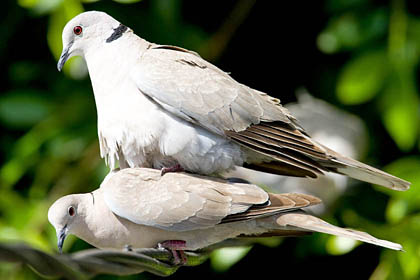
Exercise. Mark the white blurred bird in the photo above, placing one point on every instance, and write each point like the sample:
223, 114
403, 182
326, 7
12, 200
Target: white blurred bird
164, 106
343, 132
138, 207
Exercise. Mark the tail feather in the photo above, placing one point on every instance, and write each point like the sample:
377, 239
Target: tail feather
289, 151
364, 172
306, 222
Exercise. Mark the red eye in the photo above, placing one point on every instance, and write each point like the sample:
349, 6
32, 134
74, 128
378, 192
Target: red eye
77, 30
71, 211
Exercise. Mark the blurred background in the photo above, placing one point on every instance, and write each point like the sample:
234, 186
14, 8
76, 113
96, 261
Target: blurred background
348, 68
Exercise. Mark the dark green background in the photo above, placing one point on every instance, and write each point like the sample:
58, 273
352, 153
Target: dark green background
359, 55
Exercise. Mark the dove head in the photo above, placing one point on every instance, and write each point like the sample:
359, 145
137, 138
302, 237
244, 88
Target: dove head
86, 31
67, 216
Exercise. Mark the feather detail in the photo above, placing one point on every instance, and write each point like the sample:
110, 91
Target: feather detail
304, 221
277, 203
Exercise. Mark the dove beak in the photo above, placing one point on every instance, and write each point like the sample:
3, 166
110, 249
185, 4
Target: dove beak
61, 236
64, 56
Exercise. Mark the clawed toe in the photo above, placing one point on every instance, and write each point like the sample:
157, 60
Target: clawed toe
177, 248
176, 168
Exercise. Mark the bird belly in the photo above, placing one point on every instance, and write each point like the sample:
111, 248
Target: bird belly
136, 132
164, 141
203, 152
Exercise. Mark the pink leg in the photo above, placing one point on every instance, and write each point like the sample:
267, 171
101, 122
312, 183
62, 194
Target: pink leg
177, 248
176, 168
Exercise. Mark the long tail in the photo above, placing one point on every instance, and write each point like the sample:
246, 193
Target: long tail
364, 172
289, 151
299, 220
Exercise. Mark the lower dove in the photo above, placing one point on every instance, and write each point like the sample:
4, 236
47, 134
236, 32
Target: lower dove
138, 207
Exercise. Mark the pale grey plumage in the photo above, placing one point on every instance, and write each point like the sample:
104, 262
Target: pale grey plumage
177, 201
199, 92
138, 207
162, 105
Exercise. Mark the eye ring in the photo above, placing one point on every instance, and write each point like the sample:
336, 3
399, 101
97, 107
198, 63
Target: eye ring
71, 211
77, 30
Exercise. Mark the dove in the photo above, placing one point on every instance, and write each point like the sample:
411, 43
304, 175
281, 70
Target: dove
138, 208
162, 106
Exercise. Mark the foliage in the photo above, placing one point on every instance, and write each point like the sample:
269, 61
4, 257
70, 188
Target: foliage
360, 55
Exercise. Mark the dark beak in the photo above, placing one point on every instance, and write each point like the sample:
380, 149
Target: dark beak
64, 56
61, 236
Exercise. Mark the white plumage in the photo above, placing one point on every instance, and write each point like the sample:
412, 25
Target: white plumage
159, 106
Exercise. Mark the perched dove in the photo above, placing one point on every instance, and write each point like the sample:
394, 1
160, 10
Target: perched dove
138, 207
163, 106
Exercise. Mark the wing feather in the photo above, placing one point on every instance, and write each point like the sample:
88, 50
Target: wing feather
176, 201
197, 91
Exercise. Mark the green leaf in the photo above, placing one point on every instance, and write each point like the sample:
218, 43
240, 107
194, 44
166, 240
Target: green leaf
340, 245
400, 109
408, 169
23, 108
402, 203
397, 209
222, 259
410, 259
362, 78
40, 7
402, 124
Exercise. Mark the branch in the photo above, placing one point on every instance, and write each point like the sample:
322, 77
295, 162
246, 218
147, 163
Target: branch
88, 263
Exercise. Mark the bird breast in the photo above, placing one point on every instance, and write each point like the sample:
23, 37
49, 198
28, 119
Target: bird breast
138, 132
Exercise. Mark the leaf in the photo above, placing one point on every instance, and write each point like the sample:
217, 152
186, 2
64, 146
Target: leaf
396, 210
402, 203
410, 260
406, 168
222, 259
23, 108
400, 109
402, 123
40, 7
340, 245
362, 78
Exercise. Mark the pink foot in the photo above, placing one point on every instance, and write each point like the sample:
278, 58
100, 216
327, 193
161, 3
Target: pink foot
177, 248
176, 168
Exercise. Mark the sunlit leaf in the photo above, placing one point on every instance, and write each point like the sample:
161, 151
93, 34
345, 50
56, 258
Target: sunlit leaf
406, 168
327, 42
40, 6
346, 29
222, 259
409, 260
342, 32
397, 209
401, 123
362, 78
403, 203
400, 109
340, 245
269, 241
28, 3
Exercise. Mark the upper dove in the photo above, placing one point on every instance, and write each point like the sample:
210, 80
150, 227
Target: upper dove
164, 106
